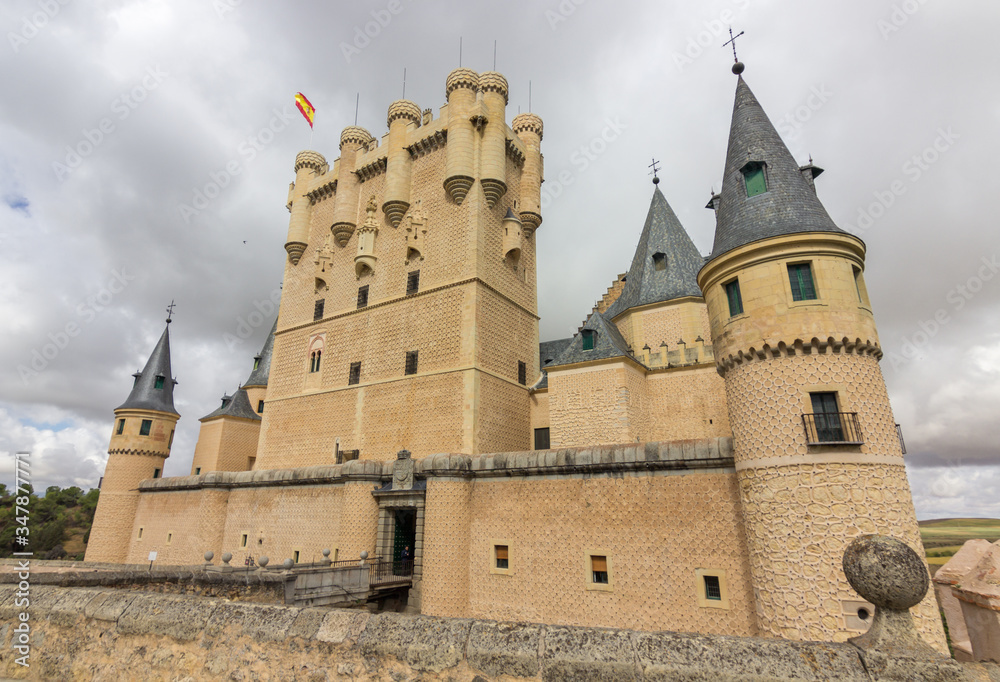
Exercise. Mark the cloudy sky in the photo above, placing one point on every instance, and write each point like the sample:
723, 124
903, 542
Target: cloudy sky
146, 149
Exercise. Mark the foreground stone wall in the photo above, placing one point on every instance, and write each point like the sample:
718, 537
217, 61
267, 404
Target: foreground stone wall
89, 633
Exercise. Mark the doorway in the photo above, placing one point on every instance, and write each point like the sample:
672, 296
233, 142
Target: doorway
404, 539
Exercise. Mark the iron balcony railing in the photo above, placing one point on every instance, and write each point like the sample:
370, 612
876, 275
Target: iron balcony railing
833, 428
388, 572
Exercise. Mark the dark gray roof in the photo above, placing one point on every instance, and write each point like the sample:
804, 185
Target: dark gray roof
609, 344
145, 395
662, 234
236, 405
789, 205
258, 376
548, 352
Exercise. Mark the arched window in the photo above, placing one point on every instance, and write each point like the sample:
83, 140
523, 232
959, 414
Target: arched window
315, 353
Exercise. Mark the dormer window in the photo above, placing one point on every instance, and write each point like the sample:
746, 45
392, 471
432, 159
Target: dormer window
135, 379
589, 338
660, 261
158, 385
755, 176
225, 400
256, 362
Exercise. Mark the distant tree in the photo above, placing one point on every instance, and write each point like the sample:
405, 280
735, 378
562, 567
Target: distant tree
3, 491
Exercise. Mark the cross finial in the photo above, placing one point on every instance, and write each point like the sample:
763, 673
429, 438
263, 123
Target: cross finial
654, 166
737, 64
170, 310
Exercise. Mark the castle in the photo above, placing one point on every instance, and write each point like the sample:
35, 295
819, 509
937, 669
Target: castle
695, 458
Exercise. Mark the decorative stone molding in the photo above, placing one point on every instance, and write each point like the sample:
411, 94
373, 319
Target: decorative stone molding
514, 153
373, 169
311, 159
323, 192
493, 190
403, 108
527, 122
458, 187
799, 347
461, 78
426, 145
144, 453
355, 134
492, 81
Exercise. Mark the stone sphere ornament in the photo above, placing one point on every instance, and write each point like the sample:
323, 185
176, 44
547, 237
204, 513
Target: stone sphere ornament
364, 555
209, 556
738, 68
263, 561
886, 572
288, 563
326, 554
227, 557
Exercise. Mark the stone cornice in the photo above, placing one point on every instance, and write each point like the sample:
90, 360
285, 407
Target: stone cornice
321, 192
372, 169
428, 144
799, 347
131, 451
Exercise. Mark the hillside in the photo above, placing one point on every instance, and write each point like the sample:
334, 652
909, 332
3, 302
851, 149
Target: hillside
58, 523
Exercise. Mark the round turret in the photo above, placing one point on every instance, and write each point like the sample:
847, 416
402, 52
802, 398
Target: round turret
459, 177
405, 109
461, 78
527, 123
356, 135
310, 159
492, 81
528, 127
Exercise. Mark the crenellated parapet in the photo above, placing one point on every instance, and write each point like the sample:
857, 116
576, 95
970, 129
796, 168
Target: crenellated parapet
353, 140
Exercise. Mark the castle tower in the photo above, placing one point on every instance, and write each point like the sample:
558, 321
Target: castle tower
140, 444
818, 456
529, 128
307, 165
414, 327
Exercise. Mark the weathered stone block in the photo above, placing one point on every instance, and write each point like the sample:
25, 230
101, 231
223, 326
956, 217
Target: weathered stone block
182, 618
579, 654
504, 648
257, 621
426, 644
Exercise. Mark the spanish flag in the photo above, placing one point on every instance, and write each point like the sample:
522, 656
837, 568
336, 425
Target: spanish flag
306, 107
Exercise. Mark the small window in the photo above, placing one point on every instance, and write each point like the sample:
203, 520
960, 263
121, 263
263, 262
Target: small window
801, 279
158, 384
256, 362
660, 261
314, 361
144, 428
734, 298
713, 589
829, 424
599, 569
318, 309
413, 282
295, 556
589, 338
411, 362
859, 284
542, 439
500, 556
135, 379
522, 373
121, 427
139, 536
156, 473
243, 540
756, 178
197, 471
260, 407
170, 441
354, 376
363, 296
170, 538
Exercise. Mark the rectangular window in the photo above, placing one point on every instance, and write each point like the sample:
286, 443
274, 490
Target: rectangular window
139, 537
413, 282
170, 538
170, 441
197, 472
500, 552
858, 283
660, 261
158, 384
522, 373
243, 540
542, 439
589, 336
599, 569
826, 415
260, 407
156, 473
121, 427
318, 309
713, 589
144, 428
295, 556
801, 279
363, 296
411, 362
755, 178
734, 298
354, 376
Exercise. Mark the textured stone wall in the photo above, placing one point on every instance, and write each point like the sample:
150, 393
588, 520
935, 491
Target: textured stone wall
226, 444
192, 520
687, 403
668, 323
447, 538
598, 405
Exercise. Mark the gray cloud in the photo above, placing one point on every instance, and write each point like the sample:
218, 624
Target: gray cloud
892, 85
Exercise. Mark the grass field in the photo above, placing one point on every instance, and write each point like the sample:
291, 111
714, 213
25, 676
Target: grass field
942, 536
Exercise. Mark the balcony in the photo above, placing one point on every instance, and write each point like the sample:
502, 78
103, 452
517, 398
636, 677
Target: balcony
833, 428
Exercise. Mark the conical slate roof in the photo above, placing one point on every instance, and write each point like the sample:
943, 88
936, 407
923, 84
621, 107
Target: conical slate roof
145, 395
662, 236
237, 405
789, 205
258, 376
608, 344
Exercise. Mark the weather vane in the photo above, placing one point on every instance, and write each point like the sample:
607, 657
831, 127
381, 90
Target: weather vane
656, 179
170, 310
737, 64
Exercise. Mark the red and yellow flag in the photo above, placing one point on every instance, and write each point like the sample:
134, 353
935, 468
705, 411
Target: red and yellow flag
306, 107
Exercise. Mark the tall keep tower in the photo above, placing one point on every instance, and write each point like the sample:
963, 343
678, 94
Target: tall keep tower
140, 444
409, 309
818, 456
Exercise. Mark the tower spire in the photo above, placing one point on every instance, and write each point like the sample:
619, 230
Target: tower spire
154, 385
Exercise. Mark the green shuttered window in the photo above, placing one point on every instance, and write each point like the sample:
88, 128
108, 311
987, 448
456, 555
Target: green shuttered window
734, 298
801, 279
755, 178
